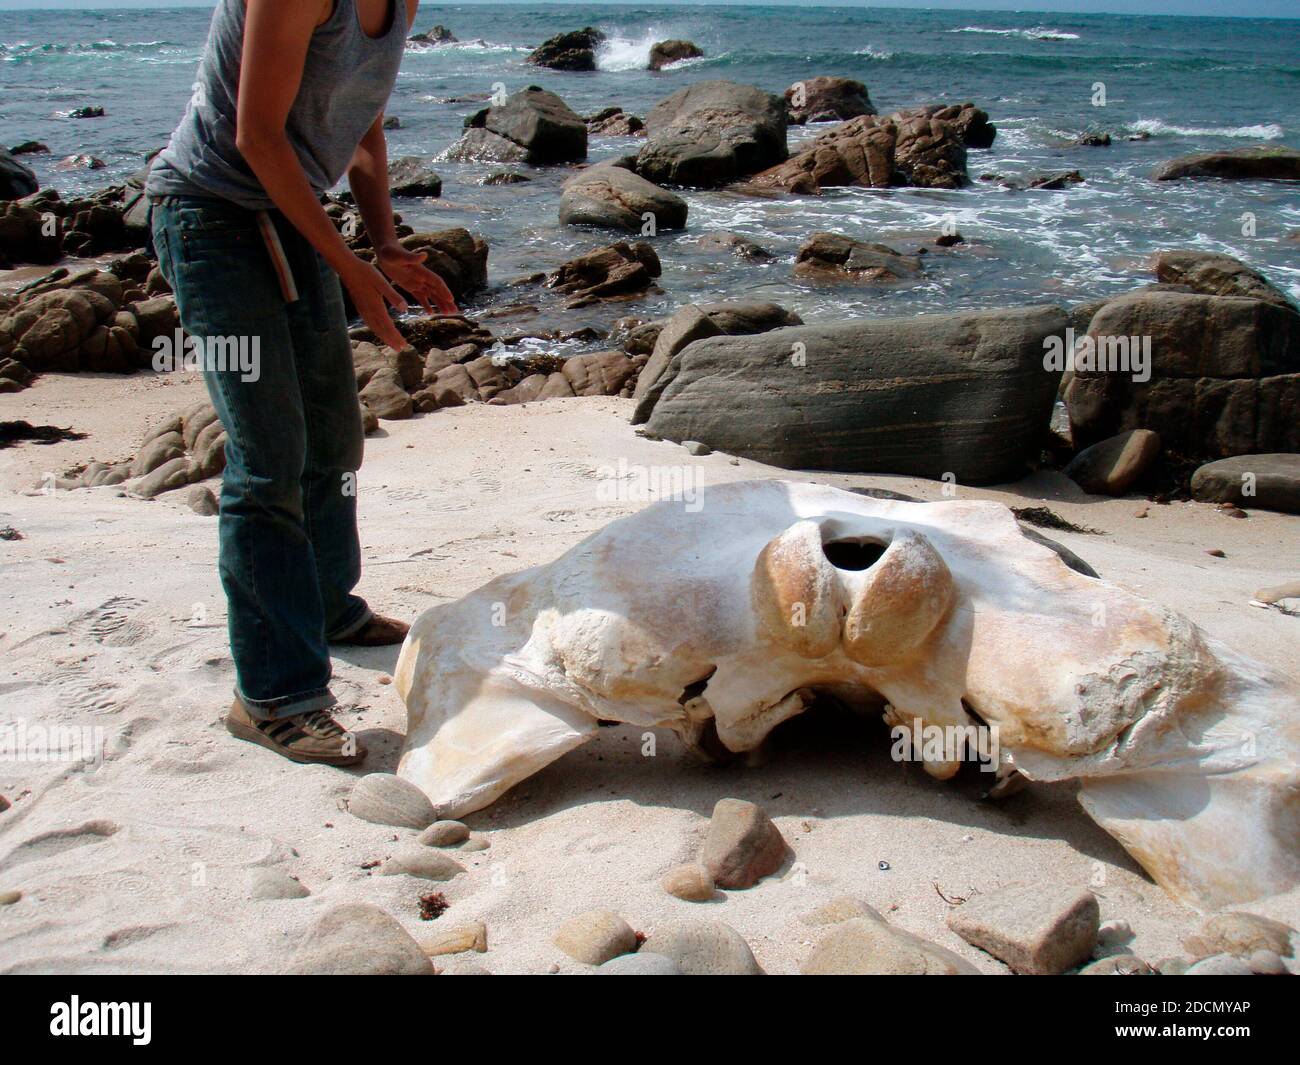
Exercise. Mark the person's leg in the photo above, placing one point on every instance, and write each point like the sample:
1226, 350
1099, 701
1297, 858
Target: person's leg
228, 294
335, 442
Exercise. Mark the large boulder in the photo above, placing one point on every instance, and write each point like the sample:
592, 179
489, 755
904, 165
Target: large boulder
827, 99
575, 50
964, 395
618, 271
536, 121
16, 179
1270, 482
1247, 164
1213, 274
663, 53
924, 146
413, 176
712, 133
1213, 375
28, 235
615, 198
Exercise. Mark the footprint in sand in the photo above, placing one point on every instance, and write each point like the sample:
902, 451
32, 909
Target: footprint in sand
49, 844
111, 623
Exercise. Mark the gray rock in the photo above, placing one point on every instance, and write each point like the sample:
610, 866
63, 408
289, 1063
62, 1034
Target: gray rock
16, 179
361, 940
711, 133
595, 937
685, 327
1220, 965
869, 946
271, 883
1269, 482
201, 500
663, 53
1112, 466
386, 799
540, 123
1038, 929
703, 948
694, 447
1249, 164
385, 396
614, 198
413, 176
642, 963
742, 845
959, 394
575, 50
483, 146
444, 834
1212, 274
424, 863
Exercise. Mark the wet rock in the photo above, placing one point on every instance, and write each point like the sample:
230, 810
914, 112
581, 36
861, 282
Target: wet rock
1037, 929
827, 99
387, 799
537, 121
425, 863
444, 834
737, 244
830, 256
690, 882
614, 122
870, 946
595, 937
1267, 482
1212, 274
575, 50
1112, 466
439, 34
1243, 164
664, 53
479, 145
618, 271
711, 133
1055, 182
413, 176
614, 198
703, 948
361, 940
16, 179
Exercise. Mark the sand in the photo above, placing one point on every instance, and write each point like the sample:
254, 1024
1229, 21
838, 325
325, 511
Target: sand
113, 620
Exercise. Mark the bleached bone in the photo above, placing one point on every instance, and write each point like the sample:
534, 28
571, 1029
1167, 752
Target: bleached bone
722, 619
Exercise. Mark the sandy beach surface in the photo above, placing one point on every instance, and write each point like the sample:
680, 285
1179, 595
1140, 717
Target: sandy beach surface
113, 619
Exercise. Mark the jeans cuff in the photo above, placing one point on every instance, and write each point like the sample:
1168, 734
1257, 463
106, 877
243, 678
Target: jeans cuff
352, 627
288, 705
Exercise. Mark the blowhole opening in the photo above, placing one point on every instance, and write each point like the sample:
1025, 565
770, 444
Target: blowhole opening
853, 554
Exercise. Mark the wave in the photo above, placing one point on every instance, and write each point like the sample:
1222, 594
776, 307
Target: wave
26, 49
874, 53
617, 52
1155, 127
476, 45
1034, 33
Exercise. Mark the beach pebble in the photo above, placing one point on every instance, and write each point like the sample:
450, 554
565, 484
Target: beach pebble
361, 940
742, 846
457, 940
1266, 963
386, 799
843, 908
413, 859
595, 937
703, 948
267, 883
1118, 965
8, 898
1114, 934
642, 963
202, 501
691, 882
444, 834
1038, 929
475, 843
1220, 965
694, 447
870, 946
1239, 934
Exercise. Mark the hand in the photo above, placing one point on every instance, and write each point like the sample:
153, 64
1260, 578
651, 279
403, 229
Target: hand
407, 269
372, 296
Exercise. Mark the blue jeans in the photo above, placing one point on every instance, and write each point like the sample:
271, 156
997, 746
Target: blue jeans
289, 552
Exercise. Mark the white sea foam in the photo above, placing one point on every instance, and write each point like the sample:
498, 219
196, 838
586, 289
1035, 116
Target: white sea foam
874, 53
1034, 33
1263, 132
616, 52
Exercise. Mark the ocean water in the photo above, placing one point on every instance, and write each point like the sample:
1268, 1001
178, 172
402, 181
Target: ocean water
1192, 84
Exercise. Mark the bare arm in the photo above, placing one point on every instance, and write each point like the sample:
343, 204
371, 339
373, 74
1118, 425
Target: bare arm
277, 34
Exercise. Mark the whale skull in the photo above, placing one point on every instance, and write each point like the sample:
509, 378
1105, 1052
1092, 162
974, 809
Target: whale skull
721, 620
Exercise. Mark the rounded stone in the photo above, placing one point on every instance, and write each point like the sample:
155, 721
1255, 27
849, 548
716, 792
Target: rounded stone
642, 963
595, 937
703, 948
386, 799
444, 834
691, 882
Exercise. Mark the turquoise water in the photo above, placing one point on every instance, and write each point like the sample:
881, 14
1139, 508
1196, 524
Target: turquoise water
1192, 84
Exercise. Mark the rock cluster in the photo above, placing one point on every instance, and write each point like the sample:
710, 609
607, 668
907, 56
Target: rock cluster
575, 50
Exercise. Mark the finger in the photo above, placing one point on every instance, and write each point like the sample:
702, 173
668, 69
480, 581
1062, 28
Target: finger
389, 293
375, 315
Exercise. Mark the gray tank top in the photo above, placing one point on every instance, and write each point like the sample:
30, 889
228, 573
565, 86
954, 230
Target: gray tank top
346, 81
